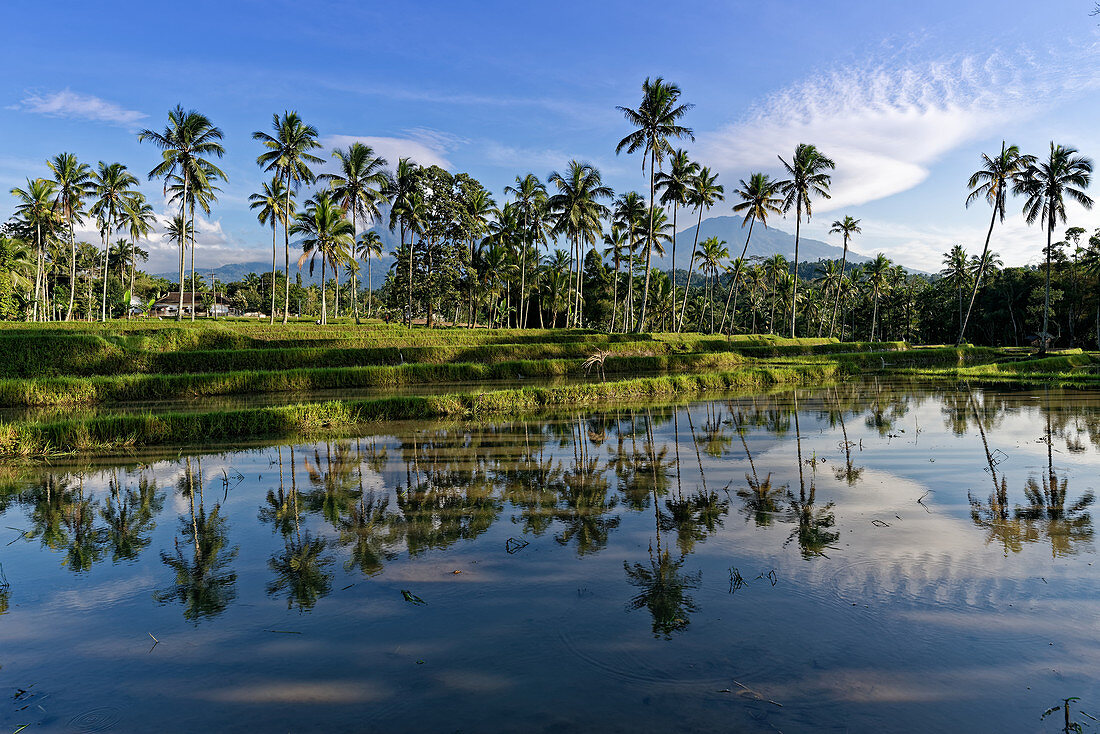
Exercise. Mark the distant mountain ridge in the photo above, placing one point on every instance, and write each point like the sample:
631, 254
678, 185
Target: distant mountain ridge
765, 242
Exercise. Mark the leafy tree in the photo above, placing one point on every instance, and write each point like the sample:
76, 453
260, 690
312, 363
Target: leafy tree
326, 232
73, 181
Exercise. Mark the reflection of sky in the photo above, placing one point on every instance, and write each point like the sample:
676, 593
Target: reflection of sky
909, 617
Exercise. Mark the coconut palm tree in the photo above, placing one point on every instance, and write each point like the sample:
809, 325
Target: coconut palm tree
808, 178
1047, 185
271, 205
202, 193
36, 207
577, 213
531, 200
139, 219
618, 243
326, 232
656, 121
479, 208
674, 187
877, 280
367, 246
287, 155
758, 198
992, 182
358, 188
846, 227
629, 216
113, 188
704, 191
956, 271
712, 252
405, 207
187, 141
73, 180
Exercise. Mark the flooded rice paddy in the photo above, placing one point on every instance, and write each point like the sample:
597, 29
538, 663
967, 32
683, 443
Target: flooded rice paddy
871, 557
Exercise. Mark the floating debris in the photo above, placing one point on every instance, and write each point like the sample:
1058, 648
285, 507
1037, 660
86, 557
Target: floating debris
513, 545
411, 597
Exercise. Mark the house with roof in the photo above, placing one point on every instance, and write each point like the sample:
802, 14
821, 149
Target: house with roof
168, 306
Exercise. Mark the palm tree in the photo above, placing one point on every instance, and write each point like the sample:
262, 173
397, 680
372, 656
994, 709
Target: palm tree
704, 191
36, 207
272, 204
531, 199
758, 200
675, 187
403, 195
618, 242
808, 177
1046, 186
991, 182
957, 272
479, 207
73, 180
712, 252
187, 138
326, 232
657, 120
629, 216
358, 189
847, 227
877, 273
288, 156
367, 246
577, 213
202, 193
138, 218
113, 188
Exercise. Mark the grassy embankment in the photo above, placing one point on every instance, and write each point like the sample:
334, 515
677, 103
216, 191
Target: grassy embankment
114, 364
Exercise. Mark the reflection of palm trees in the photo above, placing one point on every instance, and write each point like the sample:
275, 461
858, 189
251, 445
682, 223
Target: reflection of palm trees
584, 503
814, 532
1047, 515
694, 517
300, 572
663, 590
130, 515
86, 543
761, 501
1001, 525
366, 530
203, 584
849, 472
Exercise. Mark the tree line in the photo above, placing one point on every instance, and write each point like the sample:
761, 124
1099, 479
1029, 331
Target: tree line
566, 251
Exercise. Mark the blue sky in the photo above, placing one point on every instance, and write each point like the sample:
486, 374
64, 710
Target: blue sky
904, 96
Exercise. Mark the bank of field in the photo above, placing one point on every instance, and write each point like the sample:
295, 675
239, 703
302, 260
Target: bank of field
118, 366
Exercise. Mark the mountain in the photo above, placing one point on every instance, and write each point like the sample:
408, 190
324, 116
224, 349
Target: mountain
765, 243
231, 272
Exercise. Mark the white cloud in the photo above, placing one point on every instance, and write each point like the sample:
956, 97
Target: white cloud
425, 147
885, 124
67, 103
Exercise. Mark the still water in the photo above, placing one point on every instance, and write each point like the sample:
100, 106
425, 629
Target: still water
869, 557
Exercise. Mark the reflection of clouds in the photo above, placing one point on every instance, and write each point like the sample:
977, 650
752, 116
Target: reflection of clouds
101, 595
298, 692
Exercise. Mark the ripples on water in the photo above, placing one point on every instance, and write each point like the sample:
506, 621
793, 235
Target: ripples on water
861, 558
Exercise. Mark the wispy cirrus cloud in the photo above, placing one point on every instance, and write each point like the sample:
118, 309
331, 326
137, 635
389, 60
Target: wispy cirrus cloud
886, 123
424, 146
70, 104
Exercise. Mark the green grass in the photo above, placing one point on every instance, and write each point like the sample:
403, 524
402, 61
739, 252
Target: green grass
121, 432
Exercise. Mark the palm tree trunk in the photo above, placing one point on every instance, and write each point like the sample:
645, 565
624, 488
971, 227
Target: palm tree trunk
72, 270
370, 281
324, 300
836, 303
106, 259
628, 306
615, 295
410, 304
271, 315
794, 288
737, 271
649, 242
672, 267
133, 267
286, 253
193, 309
874, 316
977, 279
1046, 292
473, 285
691, 267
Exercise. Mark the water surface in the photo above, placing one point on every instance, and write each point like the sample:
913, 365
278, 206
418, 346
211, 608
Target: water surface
871, 557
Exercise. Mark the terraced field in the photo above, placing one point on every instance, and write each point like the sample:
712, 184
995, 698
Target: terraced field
92, 387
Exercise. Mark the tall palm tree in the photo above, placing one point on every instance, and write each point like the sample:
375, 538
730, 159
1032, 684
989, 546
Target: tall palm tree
403, 195
1046, 186
368, 246
271, 205
656, 121
202, 194
758, 199
531, 199
877, 279
479, 208
846, 227
287, 155
187, 141
713, 252
358, 188
675, 187
36, 208
618, 242
113, 188
326, 232
138, 218
956, 271
704, 191
629, 216
578, 213
73, 180
808, 177
991, 182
